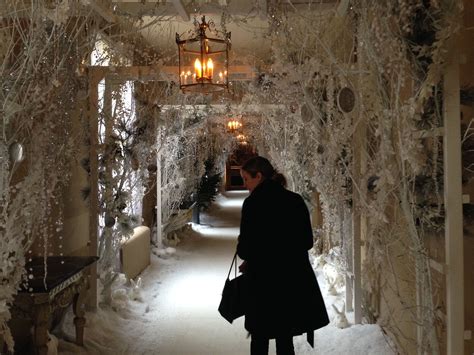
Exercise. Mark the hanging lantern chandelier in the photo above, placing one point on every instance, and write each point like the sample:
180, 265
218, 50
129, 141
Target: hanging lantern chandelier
203, 60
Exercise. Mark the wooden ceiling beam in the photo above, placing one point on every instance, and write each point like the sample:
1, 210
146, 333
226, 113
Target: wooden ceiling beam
103, 10
342, 8
183, 13
262, 9
165, 73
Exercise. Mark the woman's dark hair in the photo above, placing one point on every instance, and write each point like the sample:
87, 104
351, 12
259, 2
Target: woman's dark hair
261, 165
280, 178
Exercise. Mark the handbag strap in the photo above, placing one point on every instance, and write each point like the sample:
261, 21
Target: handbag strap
234, 261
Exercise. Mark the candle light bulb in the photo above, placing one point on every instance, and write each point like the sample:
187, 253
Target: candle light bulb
198, 68
210, 68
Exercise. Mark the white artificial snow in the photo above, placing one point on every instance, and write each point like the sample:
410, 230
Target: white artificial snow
119, 299
177, 309
170, 251
163, 252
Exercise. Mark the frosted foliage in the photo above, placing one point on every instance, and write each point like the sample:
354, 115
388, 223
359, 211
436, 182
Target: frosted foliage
371, 159
40, 83
122, 174
43, 51
188, 140
173, 181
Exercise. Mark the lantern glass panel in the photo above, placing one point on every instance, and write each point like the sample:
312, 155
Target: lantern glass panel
202, 63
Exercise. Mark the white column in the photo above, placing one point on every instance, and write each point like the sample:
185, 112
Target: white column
357, 196
356, 263
94, 80
453, 207
349, 279
159, 234
358, 143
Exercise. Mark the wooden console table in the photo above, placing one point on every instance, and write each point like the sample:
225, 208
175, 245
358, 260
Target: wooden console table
66, 282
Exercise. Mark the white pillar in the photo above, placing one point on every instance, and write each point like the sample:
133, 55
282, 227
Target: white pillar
159, 232
350, 272
453, 207
356, 266
358, 148
359, 166
94, 79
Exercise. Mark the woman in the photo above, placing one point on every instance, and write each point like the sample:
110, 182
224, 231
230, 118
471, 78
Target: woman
275, 236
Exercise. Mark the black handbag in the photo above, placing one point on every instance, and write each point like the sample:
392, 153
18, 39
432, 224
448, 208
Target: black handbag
233, 300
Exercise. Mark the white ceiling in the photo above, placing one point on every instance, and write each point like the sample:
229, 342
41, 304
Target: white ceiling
249, 22
247, 38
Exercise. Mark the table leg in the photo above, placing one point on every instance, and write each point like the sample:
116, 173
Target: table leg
79, 319
41, 318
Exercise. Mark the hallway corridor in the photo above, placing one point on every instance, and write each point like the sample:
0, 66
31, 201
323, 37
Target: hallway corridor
188, 320
176, 310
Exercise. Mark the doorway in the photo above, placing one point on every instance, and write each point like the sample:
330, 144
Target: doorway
233, 180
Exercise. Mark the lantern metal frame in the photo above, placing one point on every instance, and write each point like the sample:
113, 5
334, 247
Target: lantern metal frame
204, 84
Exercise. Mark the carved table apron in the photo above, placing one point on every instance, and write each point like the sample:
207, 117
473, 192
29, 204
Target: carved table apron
66, 282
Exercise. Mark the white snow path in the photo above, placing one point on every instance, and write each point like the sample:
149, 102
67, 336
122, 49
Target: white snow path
178, 314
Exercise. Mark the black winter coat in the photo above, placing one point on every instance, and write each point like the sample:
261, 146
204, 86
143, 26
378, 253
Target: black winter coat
275, 236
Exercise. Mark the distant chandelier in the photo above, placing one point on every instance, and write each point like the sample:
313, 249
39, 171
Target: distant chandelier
233, 125
241, 139
204, 61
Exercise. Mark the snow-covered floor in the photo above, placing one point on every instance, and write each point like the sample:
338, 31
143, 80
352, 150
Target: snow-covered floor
175, 311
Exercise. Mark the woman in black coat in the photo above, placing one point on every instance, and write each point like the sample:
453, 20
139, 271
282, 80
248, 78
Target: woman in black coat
275, 235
